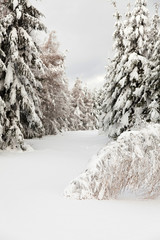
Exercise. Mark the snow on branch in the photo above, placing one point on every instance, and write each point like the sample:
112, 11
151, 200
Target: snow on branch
7, 20
33, 22
13, 37
2, 66
129, 165
24, 70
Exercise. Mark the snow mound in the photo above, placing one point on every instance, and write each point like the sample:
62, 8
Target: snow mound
129, 165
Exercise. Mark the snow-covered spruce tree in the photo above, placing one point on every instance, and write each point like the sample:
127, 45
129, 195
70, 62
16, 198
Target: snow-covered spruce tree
19, 86
90, 120
96, 108
78, 107
3, 122
83, 115
152, 113
99, 103
128, 98
55, 94
3, 118
108, 95
153, 32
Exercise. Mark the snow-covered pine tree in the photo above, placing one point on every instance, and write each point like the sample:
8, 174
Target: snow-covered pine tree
3, 123
19, 86
55, 94
83, 116
108, 94
78, 107
153, 32
96, 108
152, 113
128, 100
3, 118
90, 120
98, 96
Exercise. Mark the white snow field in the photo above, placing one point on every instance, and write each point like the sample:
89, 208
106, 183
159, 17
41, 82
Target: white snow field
32, 206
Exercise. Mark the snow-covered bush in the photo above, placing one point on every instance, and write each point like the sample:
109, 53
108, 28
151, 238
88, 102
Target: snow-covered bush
130, 164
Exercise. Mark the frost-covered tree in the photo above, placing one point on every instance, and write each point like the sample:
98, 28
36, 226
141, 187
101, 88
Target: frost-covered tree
55, 94
20, 57
3, 123
83, 115
96, 108
78, 107
152, 80
128, 96
108, 95
153, 32
100, 100
90, 120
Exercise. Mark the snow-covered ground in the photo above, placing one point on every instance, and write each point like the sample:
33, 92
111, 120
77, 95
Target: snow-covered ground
32, 206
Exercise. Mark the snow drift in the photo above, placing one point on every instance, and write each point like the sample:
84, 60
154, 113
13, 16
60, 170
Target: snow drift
129, 165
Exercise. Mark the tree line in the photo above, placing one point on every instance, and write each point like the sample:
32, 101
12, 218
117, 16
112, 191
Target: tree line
35, 99
131, 94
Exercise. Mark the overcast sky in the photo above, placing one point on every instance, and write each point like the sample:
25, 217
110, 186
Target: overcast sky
84, 28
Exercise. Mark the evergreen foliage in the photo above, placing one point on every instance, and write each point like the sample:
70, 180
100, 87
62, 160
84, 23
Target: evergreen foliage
78, 107
152, 79
19, 62
95, 110
128, 84
83, 110
111, 87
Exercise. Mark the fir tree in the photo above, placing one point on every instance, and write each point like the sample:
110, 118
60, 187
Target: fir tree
95, 109
83, 115
128, 98
90, 120
153, 32
152, 113
20, 55
111, 88
78, 107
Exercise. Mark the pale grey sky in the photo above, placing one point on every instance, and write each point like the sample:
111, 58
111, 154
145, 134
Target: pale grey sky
84, 28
